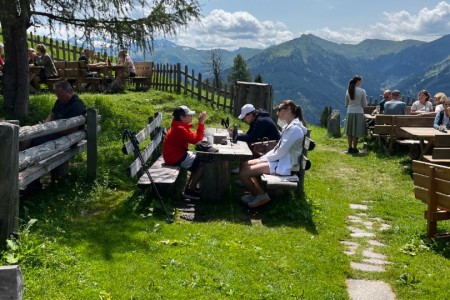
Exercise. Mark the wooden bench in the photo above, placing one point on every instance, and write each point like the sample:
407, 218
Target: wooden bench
441, 151
143, 79
161, 174
61, 69
20, 168
432, 186
387, 129
294, 181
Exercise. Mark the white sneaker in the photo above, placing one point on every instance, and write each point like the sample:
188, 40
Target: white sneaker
247, 198
235, 171
259, 200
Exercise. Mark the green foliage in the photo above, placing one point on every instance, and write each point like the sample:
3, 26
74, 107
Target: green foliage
258, 78
239, 70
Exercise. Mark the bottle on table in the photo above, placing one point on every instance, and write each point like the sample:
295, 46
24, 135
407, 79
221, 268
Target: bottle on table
235, 133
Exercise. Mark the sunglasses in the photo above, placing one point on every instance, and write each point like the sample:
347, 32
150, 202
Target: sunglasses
280, 108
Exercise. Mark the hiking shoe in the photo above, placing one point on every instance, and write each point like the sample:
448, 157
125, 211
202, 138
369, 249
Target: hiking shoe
350, 151
247, 198
191, 194
259, 200
235, 171
355, 151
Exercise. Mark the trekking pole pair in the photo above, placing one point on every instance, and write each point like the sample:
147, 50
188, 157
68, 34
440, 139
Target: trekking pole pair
131, 136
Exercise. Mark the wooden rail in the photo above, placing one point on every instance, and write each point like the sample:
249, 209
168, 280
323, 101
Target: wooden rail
19, 168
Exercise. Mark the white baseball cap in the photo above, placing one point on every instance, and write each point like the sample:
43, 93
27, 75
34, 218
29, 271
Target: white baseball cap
247, 108
185, 110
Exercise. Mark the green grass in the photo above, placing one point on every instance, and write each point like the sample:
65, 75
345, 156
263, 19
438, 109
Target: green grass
106, 240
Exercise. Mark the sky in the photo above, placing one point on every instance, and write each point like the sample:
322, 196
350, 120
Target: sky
230, 24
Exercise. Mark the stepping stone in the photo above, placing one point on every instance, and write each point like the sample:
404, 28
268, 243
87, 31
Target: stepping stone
256, 222
362, 215
356, 232
366, 267
369, 290
375, 243
351, 247
385, 227
375, 261
369, 254
359, 206
355, 219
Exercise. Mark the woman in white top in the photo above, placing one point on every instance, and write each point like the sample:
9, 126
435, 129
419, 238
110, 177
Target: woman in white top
423, 106
355, 101
281, 160
439, 100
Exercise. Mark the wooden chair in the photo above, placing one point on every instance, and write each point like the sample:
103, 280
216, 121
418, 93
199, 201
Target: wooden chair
143, 79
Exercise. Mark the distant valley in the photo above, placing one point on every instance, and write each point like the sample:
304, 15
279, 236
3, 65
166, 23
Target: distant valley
315, 72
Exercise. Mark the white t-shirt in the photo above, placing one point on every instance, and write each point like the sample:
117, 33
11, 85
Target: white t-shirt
417, 106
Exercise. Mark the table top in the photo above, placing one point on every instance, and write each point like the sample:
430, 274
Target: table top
423, 132
104, 67
230, 151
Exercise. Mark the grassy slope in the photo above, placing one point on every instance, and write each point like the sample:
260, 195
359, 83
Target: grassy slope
103, 239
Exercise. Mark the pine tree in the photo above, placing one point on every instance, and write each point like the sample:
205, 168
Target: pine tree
239, 70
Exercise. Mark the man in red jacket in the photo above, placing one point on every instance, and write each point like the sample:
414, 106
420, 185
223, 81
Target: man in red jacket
176, 143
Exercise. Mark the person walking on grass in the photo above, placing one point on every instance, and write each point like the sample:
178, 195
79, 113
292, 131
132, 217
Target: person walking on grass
355, 101
176, 143
281, 160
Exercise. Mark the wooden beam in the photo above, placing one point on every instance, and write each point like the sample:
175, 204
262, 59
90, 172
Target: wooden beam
30, 132
9, 191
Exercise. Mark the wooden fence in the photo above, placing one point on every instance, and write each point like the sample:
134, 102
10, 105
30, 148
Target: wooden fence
61, 50
171, 78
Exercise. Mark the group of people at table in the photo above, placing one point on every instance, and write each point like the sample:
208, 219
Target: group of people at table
47, 70
355, 101
281, 160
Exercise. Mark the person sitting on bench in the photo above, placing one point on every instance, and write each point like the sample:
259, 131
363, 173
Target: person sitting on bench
176, 143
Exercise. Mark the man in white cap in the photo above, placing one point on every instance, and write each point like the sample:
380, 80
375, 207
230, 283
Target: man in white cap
261, 125
176, 143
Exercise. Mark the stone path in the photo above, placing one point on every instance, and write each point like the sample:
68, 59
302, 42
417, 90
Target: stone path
363, 249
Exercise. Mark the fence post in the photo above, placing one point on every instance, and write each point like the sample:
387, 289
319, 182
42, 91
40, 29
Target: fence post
199, 89
178, 78
91, 134
193, 83
9, 185
63, 46
186, 72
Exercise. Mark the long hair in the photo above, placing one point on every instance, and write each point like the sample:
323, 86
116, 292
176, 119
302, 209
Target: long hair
295, 109
426, 93
352, 86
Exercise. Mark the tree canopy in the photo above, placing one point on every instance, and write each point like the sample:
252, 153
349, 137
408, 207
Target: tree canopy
120, 22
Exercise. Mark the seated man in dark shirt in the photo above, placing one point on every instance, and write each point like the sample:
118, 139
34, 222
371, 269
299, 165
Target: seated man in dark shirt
67, 105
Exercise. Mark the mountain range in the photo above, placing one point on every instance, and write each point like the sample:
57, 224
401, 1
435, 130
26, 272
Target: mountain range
315, 72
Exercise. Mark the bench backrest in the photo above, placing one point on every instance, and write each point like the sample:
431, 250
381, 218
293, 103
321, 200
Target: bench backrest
73, 70
144, 68
390, 125
432, 181
61, 68
153, 131
441, 148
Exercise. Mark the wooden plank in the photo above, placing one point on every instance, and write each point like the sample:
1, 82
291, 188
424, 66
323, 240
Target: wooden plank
421, 180
36, 171
442, 140
439, 215
11, 282
383, 129
160, 173
408, 142
441, 153
9, 191
143, 134
91, 136
422, 194
421, 167
442, 173
30, 132
383, 120
38, 153
430, 159
134, 168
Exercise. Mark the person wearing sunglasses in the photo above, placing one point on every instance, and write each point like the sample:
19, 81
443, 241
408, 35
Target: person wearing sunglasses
355, 101
281, 160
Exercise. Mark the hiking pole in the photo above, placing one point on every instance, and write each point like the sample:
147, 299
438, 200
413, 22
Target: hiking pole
131, 135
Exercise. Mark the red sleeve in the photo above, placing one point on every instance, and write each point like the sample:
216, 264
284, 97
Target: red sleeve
194, 138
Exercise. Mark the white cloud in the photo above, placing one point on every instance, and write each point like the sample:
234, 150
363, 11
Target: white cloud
233, 30
426, 25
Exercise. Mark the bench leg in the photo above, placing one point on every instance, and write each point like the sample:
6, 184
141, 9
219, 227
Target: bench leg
60, 171
215, 183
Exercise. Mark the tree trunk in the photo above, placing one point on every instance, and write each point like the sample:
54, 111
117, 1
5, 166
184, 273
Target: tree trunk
15, 73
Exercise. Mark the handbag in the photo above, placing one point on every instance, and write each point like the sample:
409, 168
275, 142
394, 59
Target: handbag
261, 148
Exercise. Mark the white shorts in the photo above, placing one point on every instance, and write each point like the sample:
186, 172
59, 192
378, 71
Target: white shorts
188, 161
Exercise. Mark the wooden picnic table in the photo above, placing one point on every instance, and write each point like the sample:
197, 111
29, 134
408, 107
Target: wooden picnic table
215, 183
425, 135
105, 70
33, 73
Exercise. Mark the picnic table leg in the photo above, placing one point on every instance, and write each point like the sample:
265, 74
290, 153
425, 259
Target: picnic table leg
215, 182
